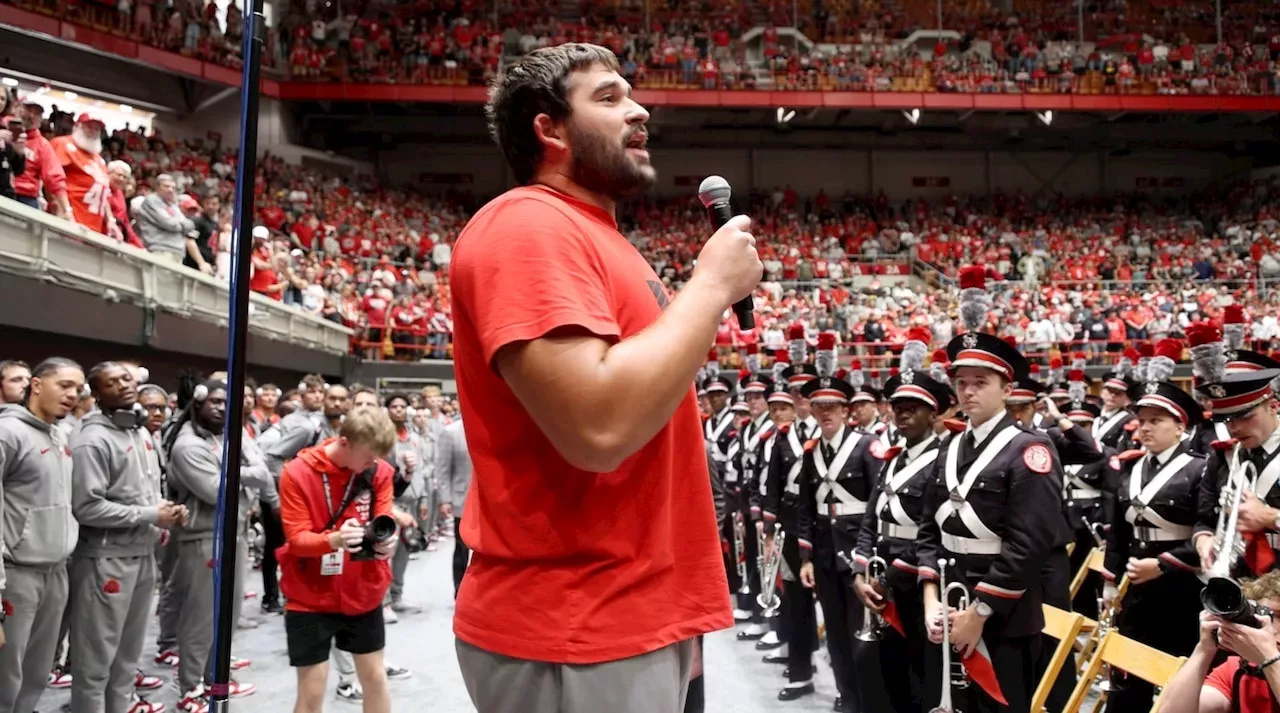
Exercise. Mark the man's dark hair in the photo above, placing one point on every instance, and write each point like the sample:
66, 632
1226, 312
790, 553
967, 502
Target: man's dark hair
95, 373
396, 397
537, 84
47, 366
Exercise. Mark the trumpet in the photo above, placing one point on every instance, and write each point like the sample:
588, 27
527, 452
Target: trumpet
768, 598
956, 676
1095, 529
1222, 594
873, 625
740, 551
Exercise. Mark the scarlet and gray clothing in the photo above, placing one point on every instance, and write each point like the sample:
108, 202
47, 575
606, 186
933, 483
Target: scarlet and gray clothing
453, 479
116, 492
37, 535
43, 171
406, 444
286, 439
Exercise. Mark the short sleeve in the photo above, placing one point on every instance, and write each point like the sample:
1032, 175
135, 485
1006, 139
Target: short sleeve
1222, 676
526, 269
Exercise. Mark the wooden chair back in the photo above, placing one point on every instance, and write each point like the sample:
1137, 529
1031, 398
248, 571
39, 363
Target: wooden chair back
1065, 627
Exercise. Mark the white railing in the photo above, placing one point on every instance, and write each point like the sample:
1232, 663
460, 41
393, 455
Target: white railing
40, 246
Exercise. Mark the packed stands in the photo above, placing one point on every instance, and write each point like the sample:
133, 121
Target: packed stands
1143, 48
374, 259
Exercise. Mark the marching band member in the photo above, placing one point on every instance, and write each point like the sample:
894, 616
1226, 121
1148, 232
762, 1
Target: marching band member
996, 503
867, 400
1241, 398
837, 476
1113, 424
719, 431
1150, 539
749, 463
889, 531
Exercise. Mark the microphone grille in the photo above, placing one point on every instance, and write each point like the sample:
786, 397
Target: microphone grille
714, 189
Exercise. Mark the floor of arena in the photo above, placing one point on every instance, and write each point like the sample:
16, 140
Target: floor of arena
737, 679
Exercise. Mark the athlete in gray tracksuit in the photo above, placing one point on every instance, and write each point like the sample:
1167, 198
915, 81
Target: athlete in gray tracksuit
407, 457
116, 499
37, 536
195, 474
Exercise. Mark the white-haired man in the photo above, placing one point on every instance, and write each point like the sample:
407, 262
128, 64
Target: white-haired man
120, 174
88, 185
165, 230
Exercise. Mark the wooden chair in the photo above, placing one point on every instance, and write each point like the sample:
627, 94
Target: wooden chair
1065, 627
1093, 563
1122, 653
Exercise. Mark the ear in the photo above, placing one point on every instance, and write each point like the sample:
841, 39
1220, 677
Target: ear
549, 133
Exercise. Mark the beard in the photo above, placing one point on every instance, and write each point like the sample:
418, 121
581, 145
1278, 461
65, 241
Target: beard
604, 166
84, 143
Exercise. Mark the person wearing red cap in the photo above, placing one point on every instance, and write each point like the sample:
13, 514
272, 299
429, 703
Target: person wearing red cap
88, 183
43, 175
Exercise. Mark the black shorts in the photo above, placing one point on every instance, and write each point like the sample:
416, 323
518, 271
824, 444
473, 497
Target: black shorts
310, 635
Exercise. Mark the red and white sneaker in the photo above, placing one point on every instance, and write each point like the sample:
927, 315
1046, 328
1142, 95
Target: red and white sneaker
235, 689
194, 701
239, 663
142, 705
168, 657
143, 682
59, 678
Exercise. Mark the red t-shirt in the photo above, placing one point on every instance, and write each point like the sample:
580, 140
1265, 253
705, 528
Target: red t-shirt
1255, 694
570, 566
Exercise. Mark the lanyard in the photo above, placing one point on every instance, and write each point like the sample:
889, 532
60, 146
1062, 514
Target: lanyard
346, 497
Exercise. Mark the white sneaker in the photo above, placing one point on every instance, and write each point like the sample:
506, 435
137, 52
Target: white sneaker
741, 615
350, 692
389, 615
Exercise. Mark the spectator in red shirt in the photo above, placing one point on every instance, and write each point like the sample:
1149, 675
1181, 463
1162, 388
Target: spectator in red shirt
1255, 689
596, 561
44, 174
332, 597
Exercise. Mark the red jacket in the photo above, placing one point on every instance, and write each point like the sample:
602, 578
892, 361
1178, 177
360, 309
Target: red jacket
43, 169
363, 584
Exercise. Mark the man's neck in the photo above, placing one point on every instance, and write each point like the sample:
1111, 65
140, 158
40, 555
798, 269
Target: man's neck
975, 424
401, 429
560, 182
39, 413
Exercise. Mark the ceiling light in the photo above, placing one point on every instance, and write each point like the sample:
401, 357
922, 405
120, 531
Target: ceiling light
126, 109
912, 116
1045, 117
9, 82
71, 95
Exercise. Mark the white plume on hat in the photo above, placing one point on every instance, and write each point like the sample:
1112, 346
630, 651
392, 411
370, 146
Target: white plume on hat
797, 347
1208, 352
856, 378
824, 358
975, 301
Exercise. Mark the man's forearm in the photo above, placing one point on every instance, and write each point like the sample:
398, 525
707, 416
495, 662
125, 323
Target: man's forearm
1182, 695
650, 372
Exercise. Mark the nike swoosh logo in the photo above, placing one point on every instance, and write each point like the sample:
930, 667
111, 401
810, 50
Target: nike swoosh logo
43, 451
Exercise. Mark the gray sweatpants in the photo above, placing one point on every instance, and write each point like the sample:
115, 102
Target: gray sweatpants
167, 605
37, 596
111, 607
655, 682
344, 663
194, 593
400, 559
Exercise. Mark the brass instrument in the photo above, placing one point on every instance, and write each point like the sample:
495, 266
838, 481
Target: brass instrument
1095, 529
768, 598
1222, 594
873, 625
954, 671
740, 551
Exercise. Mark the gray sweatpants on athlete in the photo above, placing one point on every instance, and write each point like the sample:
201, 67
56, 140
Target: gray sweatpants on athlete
194, 590
400, 558
38, 596
655, 682
111, 607
344, 663
167, 604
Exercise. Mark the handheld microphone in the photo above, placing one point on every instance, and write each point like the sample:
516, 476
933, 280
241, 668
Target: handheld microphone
714, 192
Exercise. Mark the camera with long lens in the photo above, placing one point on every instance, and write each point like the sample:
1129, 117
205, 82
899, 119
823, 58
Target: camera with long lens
381, 529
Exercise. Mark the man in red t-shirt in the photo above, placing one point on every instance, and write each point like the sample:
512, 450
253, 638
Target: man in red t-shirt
596, 558
1226, 688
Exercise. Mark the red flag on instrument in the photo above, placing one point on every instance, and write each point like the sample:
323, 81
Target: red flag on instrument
1258, 554
891, 616
983, 672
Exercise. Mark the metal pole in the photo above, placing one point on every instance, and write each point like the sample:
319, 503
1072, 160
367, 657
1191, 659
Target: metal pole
647, 25
939, 15
224, 554
1217, 8
1080, 22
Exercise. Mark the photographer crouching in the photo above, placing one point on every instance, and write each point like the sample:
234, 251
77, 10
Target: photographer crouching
336, 508
1249, 680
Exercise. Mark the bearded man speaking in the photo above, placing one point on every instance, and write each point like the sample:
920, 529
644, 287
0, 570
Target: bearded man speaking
596, 557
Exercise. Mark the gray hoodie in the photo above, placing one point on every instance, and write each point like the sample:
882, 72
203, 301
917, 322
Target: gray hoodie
286, 439
116, 490
36, 524
195, 477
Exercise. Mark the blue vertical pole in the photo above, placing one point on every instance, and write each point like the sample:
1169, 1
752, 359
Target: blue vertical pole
224, 546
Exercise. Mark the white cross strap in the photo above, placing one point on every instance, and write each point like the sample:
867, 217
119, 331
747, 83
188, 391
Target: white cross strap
959, 490
889, 496
830, 474
1100, 432
1140, 497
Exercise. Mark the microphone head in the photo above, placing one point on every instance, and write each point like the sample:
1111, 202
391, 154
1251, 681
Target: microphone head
714, 189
